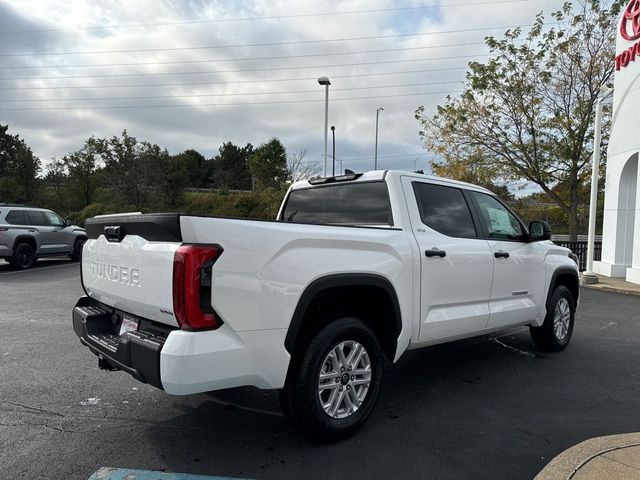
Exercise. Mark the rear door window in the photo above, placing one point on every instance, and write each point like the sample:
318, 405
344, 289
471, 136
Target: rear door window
444, 209
365, 203
35, 218
16, 217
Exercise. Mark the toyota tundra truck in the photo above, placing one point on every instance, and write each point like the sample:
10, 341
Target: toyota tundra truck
354, 271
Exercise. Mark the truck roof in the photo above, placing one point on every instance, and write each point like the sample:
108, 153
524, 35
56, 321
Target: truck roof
383, 174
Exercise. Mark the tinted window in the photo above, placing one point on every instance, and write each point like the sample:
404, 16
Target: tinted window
54, 220
444, 209
346, 204
16, 217
35, 218
499, 222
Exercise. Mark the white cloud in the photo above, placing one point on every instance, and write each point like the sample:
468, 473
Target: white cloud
55, 132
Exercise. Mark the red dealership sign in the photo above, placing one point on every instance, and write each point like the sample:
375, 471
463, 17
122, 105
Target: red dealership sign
630, 25
630, 30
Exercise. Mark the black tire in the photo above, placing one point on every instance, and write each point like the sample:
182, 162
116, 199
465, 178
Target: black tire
23, 256
76, 255
300, 397
547, 337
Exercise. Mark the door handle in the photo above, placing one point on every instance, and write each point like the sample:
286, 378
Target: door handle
434, 252
501, 254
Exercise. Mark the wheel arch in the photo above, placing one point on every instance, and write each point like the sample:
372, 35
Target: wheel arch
82, 236
26, 239
567, 277
370, 297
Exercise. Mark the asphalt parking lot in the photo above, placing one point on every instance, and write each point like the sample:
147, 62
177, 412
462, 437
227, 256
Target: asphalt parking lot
485, 408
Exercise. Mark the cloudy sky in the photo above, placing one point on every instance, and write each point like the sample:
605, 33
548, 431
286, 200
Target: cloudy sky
193, 74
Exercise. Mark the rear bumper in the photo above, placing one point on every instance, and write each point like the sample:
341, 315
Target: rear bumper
137, 353
183, 362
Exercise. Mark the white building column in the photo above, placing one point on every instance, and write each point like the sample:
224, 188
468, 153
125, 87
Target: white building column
633, 273
620, 209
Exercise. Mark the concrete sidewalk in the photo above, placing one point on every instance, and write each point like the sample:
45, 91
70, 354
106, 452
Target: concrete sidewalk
615, 457
610, 284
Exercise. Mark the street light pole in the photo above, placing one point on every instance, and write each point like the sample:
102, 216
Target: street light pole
588, 275
375, 163
325, 81
333, 132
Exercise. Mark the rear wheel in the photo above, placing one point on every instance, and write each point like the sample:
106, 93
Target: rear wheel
555, 333
76, 255
334, 383
23, 256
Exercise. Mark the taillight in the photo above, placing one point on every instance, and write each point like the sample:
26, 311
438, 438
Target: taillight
192, 275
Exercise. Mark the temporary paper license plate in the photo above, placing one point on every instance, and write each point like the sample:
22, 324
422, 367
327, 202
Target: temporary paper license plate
128, 325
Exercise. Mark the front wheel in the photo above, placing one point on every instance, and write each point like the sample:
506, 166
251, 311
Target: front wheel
555, 333
334, 384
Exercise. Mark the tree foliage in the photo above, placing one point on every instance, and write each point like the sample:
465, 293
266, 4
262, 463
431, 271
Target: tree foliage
122, 173
231, 167
268, 165
19, 168
131, 167
196, 166
82, 166
527, 113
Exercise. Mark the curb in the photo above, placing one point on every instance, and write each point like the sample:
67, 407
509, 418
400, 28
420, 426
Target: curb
111, 473
607, 288
568, 463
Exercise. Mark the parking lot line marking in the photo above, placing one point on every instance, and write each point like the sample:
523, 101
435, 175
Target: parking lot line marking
40, 268
110, 473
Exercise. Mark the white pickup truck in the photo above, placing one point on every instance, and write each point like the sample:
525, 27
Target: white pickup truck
355, 270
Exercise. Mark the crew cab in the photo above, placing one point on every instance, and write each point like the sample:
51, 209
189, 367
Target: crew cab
356, 270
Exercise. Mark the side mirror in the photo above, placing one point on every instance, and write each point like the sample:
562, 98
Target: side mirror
539, 230
67, 222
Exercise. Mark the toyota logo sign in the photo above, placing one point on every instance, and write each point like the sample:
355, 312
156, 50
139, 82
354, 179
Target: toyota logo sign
630, 25
629, 30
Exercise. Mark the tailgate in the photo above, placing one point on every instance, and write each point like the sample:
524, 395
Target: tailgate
127, 263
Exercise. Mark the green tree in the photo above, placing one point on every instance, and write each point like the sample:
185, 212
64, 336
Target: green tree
57, 179
528, 111
268, 165
19, 168
175, 177
197, 168
82, 167
132, 168
231, 167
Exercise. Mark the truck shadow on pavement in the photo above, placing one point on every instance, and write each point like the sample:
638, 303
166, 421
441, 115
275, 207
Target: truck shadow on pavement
490, 407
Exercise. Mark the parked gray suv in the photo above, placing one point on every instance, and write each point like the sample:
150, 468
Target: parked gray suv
27, 233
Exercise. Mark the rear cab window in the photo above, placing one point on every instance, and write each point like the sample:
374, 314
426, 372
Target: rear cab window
350, 204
